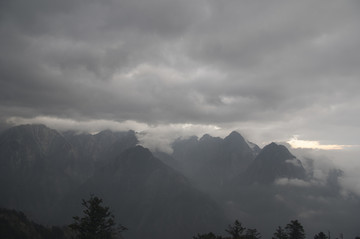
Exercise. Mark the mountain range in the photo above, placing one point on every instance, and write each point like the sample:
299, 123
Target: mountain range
201, 186
213, 162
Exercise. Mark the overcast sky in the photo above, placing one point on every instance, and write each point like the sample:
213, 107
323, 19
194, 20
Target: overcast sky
273, 70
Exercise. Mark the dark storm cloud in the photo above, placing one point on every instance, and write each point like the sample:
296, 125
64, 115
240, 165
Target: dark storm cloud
281, 67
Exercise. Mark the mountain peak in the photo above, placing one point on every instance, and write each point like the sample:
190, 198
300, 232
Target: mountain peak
272, 144
234, 133
30, 128
206, 137
235, 141
275, 161
39, 136
235, 137
276, 151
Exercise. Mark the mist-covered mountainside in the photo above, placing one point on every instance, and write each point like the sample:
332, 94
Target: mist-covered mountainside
274, 162
266, 187
151, 198
101, 146
46, 174
203, 185
34, 167
212, 162
42, 165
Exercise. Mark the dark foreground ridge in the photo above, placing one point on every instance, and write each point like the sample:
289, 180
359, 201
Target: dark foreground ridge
15, 225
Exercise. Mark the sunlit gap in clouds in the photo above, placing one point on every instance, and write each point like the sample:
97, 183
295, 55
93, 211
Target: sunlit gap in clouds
310, 144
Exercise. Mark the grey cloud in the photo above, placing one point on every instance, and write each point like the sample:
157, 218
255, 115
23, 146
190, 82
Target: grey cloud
289, 68
268, 69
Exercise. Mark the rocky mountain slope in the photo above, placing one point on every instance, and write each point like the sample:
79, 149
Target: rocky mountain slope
150, 198
212, 162
274, 162
46, 174
203, 185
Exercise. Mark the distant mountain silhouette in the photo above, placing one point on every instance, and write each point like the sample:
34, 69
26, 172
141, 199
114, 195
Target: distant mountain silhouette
96, 150
43, 165
211, 162
34, 165
46, 173
274, 161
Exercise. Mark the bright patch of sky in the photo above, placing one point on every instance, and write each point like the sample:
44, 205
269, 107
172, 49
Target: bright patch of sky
312, 144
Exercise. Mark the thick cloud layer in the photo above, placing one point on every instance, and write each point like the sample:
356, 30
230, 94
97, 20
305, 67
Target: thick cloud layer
270, 69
